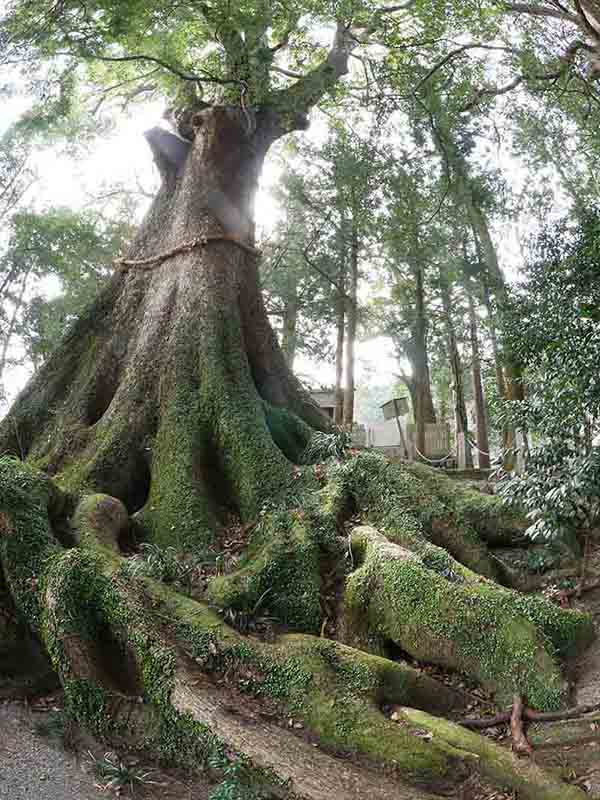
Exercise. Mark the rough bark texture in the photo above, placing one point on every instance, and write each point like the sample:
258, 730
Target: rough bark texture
483, 444
351, 326
176, 368
340, 324
419, 384
169, 411
460, 407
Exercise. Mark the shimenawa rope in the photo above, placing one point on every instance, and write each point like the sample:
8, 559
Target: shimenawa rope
187, 247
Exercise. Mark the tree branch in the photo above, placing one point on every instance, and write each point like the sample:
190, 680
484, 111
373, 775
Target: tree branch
400, 7
185, 76
457, 52
586, 22
282, 71
541, 11
492, 92
308, 90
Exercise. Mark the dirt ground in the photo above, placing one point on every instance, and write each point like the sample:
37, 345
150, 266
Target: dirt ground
40, 759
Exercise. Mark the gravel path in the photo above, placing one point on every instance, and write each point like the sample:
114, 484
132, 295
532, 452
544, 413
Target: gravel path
31, 768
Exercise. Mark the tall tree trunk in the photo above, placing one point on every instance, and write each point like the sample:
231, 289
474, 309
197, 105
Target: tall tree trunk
10, 330
498, 367
340, 325
462, 423
483, 444
423, 401
166, 385
290, 326
352, 321
457, 171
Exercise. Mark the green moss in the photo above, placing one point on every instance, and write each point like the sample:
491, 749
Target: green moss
280, 572
179, 511
329, 688
27, 545
493, 634
496, 763
406, 505
289, 433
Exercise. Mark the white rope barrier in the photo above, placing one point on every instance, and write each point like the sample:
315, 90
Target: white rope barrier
432, 461
483, 453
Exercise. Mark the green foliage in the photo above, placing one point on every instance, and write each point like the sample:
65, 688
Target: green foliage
77, 249
559, 491
166, 564
326, 447
553, 330
115, 775
237, 783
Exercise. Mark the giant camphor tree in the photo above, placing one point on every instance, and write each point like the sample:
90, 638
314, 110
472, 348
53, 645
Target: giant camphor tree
168, 411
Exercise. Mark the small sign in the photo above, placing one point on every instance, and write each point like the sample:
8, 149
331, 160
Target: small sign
398, 407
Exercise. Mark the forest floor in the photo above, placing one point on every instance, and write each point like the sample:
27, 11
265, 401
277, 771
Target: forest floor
573, 746
42, 756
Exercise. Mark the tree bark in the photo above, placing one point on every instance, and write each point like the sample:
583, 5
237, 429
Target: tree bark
165, 386
462, 422
340, 326
290, 327
10, 330
483, 444
423, 401
351, 326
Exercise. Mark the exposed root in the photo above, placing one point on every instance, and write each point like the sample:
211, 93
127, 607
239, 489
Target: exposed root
138, 659
521, 744
499, 766
530, 715
461, 622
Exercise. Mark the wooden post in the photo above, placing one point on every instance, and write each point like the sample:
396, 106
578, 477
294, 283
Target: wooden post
400, 431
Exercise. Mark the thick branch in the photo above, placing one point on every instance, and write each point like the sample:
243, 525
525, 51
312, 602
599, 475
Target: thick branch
541, 11
454, 53
307, 91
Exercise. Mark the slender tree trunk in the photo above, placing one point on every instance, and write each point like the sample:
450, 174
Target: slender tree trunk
462, 423
499, 369
352, 321
482, 429
423, 401
290, 326
457, 170
340, 328
10, 330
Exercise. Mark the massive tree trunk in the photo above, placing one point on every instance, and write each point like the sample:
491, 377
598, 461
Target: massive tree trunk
176, 367
169, 412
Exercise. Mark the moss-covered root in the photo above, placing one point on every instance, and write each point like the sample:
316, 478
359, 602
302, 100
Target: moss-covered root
412, 507
495, 523
504, 640
495, 763
280, 572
